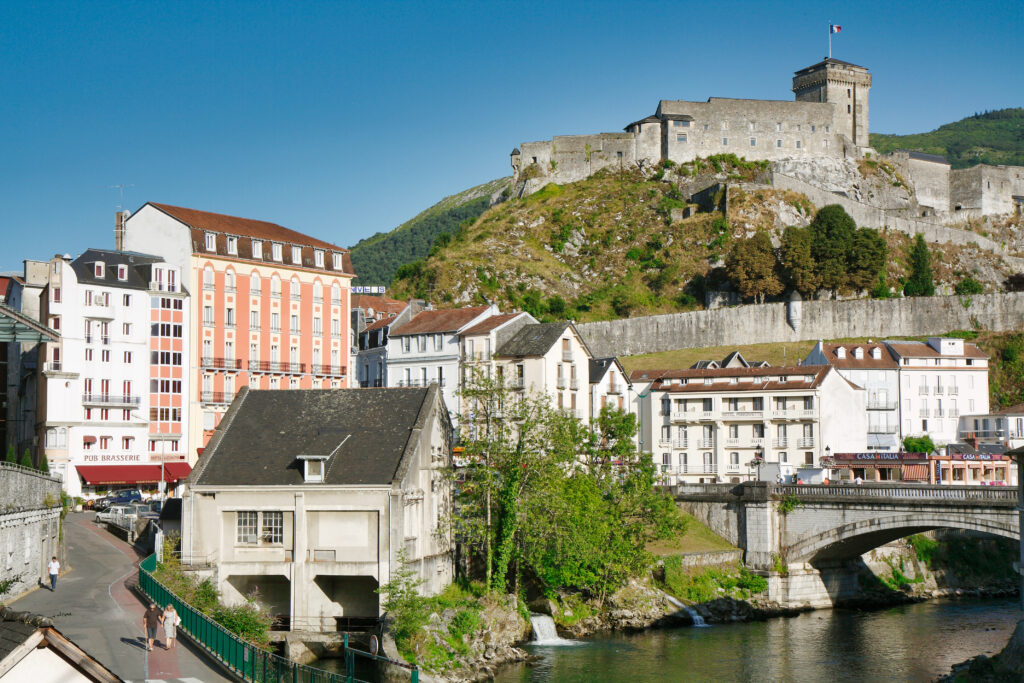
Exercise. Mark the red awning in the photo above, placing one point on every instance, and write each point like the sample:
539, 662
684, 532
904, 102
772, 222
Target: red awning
132, 474
914, 473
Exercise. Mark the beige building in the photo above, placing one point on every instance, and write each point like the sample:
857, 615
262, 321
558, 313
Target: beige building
709, 424
609, 386
308, 496
549, 359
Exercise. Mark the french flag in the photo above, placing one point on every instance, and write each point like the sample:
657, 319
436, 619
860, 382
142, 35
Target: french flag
834, 28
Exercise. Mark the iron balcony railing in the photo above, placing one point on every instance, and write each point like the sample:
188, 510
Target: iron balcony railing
248, 662
518, 383
110, 400
222, 363
876, 404
329, 370
276, 367
215, 397
560, 383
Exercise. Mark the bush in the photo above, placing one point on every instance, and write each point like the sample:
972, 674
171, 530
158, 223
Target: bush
918, 444
968, 285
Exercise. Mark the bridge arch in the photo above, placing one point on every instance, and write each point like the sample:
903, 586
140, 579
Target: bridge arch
856, 538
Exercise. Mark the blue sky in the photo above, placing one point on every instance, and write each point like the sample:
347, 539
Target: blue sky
343, 119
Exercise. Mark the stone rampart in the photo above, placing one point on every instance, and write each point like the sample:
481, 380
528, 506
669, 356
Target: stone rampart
25, 489
29, 526
874, 318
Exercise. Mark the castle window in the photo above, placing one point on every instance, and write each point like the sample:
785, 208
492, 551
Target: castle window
681, 137
778, 127
827, 128
813, 128
798, 144
848, 93
725, 142
778, 143
725, 125
753, 142
847, 109
618, 155
750, 126
706, 126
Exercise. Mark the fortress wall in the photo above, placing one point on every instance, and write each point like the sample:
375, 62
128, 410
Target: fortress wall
929, 179
869, 216
874, 318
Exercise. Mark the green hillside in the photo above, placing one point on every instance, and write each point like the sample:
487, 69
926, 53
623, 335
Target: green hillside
376, 258
995, 137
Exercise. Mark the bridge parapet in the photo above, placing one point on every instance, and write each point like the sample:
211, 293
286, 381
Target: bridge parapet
983, 496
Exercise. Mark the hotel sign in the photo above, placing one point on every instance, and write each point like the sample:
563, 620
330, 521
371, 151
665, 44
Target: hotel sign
881, 457
118, 457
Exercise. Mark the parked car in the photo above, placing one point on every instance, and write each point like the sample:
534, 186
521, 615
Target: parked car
127, 496
117, 512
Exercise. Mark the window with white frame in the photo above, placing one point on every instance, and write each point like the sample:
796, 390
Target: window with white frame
211, 242
272, 527
122, 272
246, 525
336, 258
297, 255
233, 246
277, 252
257, 249
98, 270
318, 258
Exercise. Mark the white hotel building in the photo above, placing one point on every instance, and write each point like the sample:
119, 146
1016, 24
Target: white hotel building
111, 399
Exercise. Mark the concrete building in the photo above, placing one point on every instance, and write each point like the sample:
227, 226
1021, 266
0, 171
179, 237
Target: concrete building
309, 497
112, 400
20, 359
872, 367
609, 386
1004, 427
706, 425
427, 350
939, 380
371, 359
270, 305
549, 359
366, 309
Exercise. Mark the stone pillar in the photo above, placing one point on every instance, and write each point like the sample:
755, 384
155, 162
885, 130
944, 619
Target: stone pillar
761, 525
300, 563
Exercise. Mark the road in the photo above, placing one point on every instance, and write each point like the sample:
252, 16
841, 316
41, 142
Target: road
94, 606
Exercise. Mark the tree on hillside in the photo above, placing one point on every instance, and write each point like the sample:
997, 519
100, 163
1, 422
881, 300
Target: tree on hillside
866, 259
832, 230
751, 267
921, 281
798, 264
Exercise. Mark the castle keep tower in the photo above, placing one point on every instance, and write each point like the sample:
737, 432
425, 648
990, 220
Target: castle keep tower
843, 84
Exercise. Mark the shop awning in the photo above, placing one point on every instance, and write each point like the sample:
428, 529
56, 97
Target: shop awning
914, 473
95, 475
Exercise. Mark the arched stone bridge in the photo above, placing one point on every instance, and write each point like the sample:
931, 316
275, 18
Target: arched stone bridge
819, 539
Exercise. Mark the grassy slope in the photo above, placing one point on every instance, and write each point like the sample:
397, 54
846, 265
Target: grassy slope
377, 257
992, 138
697, 539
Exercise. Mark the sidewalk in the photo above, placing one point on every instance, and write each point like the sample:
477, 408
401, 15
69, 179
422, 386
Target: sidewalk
94, 606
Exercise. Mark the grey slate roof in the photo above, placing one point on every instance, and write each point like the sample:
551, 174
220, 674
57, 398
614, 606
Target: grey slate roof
12, 635
138, 268
365, 431
533, 340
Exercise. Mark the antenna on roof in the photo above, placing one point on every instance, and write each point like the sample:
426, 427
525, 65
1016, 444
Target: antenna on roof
121, 187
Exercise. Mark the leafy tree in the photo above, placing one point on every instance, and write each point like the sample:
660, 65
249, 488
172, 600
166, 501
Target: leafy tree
881, 288
918, 444
921, 281
866, 260
797, 261
832, 232
751, 267
26, 459
556, 306
968, 285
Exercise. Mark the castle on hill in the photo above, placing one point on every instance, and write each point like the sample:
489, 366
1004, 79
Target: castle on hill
827, 119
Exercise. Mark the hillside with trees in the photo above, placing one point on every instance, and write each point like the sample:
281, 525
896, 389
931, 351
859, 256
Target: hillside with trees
617, 244
376, 258
992, 137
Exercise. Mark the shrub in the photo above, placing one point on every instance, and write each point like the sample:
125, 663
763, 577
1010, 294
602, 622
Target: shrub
918, 444
789, 503
968, 285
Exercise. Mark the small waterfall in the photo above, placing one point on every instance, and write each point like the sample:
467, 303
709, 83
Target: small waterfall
544, 632
698, 620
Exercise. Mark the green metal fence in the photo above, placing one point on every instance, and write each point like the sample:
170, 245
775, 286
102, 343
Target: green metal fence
251, 663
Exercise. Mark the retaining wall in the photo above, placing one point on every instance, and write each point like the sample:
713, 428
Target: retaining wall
874, 318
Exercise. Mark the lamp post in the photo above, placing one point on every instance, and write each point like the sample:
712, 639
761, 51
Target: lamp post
758, 459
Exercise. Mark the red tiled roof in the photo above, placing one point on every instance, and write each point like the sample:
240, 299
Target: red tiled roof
489, 324
377, 324
865, 363
202, 222
449, 320
922, 350
1011, 410
377, 303
748, 379
5, 286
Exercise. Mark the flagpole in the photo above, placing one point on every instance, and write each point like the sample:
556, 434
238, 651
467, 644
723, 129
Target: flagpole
830, 41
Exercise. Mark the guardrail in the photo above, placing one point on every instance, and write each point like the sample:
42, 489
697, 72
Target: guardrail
919, 492
248, 662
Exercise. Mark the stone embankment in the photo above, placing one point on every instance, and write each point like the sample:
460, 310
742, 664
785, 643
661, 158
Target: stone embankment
1006, 666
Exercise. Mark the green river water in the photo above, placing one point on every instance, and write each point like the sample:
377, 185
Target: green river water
907, 643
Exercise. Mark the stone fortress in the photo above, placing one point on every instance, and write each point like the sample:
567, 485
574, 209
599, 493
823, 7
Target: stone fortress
825, 127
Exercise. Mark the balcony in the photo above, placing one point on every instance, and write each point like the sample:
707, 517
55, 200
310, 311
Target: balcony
733, 441
230, 289
938, 412
954, 412
743, 413
98, 310
707, 415
922, 391
277, 367
109, 400
215, 397
318, 299
684, 415
923, 412
665, 443
706, 443
566, 355
938, 391
409, 383
560, 383
574, 383
221, 363
330, 370
614, 389
682, 443
953, 391
780, 443
275, 328
518, 383
806, 442
105, 340
882, 429
874, 404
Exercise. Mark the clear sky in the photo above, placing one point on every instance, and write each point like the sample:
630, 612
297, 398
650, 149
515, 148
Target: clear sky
343, 119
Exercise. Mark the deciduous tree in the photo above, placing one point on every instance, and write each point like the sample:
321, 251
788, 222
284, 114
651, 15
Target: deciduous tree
798, 265
921, 281
832, 230
866, 259
751, 267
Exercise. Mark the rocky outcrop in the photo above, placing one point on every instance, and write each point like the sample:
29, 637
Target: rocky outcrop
1006, 666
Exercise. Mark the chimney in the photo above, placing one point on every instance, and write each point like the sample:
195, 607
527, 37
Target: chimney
119, 218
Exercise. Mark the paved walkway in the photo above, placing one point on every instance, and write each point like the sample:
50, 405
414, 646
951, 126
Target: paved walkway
94, 606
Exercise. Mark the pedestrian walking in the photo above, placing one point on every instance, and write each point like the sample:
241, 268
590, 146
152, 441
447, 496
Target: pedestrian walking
54, 569
152, 620
171, 621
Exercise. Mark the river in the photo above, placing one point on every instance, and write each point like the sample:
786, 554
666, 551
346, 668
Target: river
907, 643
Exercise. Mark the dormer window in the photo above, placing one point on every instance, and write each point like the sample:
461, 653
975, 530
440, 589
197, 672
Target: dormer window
840, 352
233, 246
98, 269
257, 249
337, 261
314, 467
211, 241
858, 353
318, 258
277, 251
122, 272
876, 353
297, 255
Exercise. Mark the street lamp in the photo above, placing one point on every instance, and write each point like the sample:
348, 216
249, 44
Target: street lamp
758, 459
